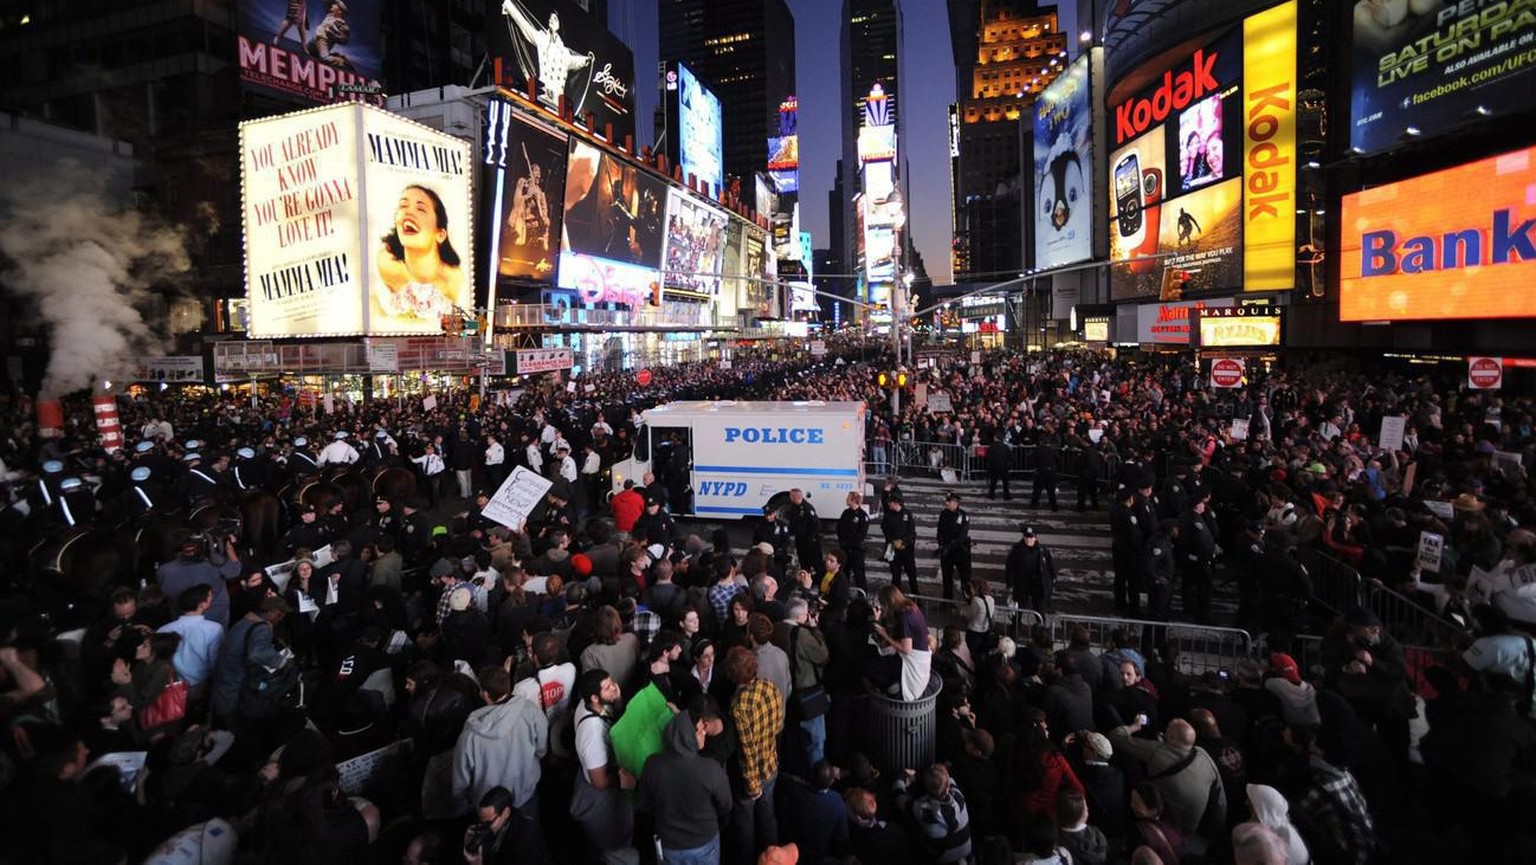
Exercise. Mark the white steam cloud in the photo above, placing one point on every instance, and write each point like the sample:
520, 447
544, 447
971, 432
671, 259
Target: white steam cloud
92, 268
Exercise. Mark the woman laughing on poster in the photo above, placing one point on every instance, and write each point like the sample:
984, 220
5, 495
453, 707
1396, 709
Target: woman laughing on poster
421, 275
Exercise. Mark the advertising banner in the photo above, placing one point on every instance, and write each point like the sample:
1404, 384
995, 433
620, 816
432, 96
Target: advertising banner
1429, 248
182, 369
1237, 326
1431, 64
784, 150
1177, 201
613, 228
695, 244
532, 360
572, 55
524, 180
322, 260
311, 51
1168, 323
1063, 167
698, 129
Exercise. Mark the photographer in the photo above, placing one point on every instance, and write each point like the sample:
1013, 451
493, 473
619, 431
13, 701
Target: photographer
192, 568
485, 839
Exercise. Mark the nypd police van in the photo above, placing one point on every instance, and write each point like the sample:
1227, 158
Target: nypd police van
740, 457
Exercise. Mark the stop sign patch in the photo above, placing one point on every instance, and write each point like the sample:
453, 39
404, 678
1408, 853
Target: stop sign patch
1485, 373
1227, 372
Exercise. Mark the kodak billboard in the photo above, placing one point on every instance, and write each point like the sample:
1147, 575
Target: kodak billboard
1203, 166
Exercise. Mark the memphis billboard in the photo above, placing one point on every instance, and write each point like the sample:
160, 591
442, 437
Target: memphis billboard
355, 221
311, 51
1202, 170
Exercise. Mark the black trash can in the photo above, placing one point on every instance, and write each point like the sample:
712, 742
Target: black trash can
904, 733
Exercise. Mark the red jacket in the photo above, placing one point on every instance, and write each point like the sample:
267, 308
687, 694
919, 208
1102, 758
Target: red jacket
627, 507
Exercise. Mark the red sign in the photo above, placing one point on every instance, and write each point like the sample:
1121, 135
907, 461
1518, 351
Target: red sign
643, 378
1485, 373
1227, 372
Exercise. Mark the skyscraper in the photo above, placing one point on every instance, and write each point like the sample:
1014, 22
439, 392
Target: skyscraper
745, 51
1019, 49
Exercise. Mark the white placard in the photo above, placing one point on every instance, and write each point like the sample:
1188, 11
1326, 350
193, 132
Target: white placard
1431, 546
938, 403
1095, 435
127, 763
429, 403
725, 362
975, 357
1443, 510
920, 393
330, 404
818, 348
570, 387
356, 772
1239, 431
591, 388
1392, 429
518, 495
1511, 462
383, 356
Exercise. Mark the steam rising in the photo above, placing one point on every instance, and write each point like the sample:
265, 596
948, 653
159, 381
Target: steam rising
93, 268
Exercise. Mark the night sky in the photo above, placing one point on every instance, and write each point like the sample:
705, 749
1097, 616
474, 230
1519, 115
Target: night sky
925, 93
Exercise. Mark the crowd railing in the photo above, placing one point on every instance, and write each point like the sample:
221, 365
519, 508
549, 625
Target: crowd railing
1198, 648
1007, 621
968, 462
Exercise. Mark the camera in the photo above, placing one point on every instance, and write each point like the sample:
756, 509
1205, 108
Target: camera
481, 836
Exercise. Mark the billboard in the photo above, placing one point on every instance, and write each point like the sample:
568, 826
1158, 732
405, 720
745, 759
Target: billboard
1237, 326
612, 229
1202, 171
1063, 168
784, 150
572, 55
877, 144
356, 221
786, 234
696, 130
695, 244
318, 51
523, 181
1423, 248
1169, 323
1433, 64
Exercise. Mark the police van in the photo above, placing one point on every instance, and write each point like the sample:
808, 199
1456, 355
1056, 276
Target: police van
739, 457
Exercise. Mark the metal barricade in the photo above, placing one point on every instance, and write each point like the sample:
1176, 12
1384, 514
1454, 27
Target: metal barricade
916, 459
1410, 621
1012, 622
1335, 584
1198, 648
1417, 662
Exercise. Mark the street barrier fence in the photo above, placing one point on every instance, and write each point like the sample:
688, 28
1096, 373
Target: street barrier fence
968, 462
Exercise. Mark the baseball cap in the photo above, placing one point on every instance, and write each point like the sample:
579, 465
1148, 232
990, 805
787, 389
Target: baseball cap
1097, 745
1285, 666
381, 500
952, 496
341, 434
439, 531
193, 444
1028, 530
69, 484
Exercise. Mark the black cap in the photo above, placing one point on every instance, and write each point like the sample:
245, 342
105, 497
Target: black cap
381, 500
1028, 530
307, 509
951, 496
482, 494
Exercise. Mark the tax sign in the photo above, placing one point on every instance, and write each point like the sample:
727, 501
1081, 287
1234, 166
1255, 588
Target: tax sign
1227, 372
1485, 373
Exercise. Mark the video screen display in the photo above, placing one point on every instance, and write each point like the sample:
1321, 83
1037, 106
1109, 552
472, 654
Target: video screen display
695, 244
1063, 169
524, 182
613, 228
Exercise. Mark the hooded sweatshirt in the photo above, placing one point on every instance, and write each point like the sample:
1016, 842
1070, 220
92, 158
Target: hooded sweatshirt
1298, 700
1271, 809
688, 793
501, 745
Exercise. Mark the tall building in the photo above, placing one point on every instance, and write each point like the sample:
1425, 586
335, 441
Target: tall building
745, 51
433, 45
1019, 49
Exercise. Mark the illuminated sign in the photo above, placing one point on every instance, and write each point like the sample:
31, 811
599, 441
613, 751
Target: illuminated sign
698, 131
1433, 65
324, 257
784, 150
571, 54
523, 173
1169, 323
1237, 326
312, 52
1096, 330
614, 213
695, 246
1063, 168
1424, 248
877, 143
1177, 203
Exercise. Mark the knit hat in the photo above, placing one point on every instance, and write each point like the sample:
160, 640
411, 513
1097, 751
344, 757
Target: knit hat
1097, 745
581, 564
1284, 666
460, 599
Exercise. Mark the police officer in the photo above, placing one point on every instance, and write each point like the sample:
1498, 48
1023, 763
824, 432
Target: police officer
384, 523
999, 462
852, 529
1090, 463
900, 530
196, 482
415, 530
805, 527
378, 452
308, 533
1128, 534
1247, 561
44, 492
75, 503
954, 537
142, 497
1197, 554
338, 452
1031, 572
302, 462
1159, 565
1047, 465
774, 531
249, 472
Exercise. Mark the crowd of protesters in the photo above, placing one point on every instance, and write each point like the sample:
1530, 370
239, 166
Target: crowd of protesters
730, 691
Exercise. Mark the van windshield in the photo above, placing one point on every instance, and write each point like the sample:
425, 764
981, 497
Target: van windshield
643, 443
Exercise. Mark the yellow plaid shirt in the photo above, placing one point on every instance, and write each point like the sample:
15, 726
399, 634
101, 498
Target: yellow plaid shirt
758, 711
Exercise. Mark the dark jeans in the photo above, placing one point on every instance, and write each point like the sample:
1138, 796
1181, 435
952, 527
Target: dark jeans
856, 566
754, 825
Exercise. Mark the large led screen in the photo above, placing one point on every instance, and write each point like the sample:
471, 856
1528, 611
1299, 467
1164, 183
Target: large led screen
1202, 169
524, 180
1063, 170
325, 258
316, 51
1431, 64
700, 135
1431, 248
613, 228
572, 55
695, 244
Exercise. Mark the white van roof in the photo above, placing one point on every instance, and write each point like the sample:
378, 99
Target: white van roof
700, 407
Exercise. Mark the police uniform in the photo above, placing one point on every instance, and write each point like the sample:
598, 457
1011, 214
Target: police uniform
196, 482
954, 539
309, 536
852, 529
1197, 554
415, 531
249, 472
776, 533
301, 462
143, 496
900, 530
1128, 534
805, 527
1031, 572
1160, 566
75, 505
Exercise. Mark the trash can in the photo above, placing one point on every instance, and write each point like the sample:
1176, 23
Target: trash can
904, 733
